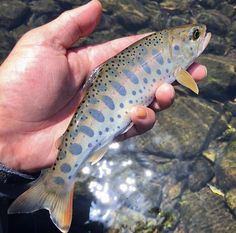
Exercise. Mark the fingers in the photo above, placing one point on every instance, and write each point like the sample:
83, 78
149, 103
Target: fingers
143, 118
164, 97
71, 25
197, 71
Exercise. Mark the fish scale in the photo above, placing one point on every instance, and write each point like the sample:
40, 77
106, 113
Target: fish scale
124, 81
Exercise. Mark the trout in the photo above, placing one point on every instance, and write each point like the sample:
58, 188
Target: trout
128, 79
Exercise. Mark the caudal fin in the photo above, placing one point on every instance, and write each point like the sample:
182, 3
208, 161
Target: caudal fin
37, 197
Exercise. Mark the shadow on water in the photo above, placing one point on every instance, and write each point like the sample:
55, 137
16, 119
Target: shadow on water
157, 182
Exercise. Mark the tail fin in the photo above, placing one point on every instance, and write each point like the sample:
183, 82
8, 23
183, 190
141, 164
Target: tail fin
37, 197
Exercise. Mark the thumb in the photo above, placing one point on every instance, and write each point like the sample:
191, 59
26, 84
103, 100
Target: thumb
71, 25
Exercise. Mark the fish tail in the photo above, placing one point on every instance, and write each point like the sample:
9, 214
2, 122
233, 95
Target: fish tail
38, 197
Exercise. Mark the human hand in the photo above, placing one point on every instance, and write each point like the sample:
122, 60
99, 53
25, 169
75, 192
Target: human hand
40, 87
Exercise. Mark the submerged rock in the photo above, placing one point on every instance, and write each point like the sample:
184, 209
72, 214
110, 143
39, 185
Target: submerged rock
231, 200
13, 13
216, 22
176, 5
182, 131
226, 167
220, 83
205, 212
202, 173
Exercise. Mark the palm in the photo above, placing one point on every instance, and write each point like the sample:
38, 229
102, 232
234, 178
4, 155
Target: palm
43, 91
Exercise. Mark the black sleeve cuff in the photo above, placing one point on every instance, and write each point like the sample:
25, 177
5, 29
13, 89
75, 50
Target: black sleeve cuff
13, 182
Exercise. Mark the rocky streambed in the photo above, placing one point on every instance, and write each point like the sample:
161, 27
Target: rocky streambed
183, 172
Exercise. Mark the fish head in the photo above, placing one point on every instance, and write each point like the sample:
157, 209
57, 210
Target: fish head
187, 43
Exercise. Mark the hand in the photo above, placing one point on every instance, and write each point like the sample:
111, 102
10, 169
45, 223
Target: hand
40, 87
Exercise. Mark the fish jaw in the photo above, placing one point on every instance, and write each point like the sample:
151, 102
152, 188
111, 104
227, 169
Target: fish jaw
205, 41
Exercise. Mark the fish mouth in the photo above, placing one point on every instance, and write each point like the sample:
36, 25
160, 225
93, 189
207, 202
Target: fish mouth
204, 42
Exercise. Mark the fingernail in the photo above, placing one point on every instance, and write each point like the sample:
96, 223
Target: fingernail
140, 113
167, 88
205, 69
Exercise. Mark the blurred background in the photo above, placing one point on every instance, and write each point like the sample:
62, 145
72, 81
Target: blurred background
179, 177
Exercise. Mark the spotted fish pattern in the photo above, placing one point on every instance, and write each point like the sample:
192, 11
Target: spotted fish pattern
124, 81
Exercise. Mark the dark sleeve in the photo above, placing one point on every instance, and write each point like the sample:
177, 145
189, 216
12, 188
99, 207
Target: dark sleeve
12, 182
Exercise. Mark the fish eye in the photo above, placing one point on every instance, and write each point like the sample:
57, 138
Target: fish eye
196, 34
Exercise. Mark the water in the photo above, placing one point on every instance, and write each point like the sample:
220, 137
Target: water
157, 182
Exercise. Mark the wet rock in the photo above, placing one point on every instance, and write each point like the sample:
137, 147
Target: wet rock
218, 46
233, 122
159, 20
182, 130
231, 200
13, 13
202, 173
68, 4
135, 222
182, 170
231, 107
220, 83
225, 167
232, 33
209, 154
208, 3
38, 20
7, 43
205, 212
40, 7
19, 31
132, 19
43, 12
177, 5
216, 22
226, 9
178, 21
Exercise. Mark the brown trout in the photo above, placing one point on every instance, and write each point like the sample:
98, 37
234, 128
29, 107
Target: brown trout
128, 79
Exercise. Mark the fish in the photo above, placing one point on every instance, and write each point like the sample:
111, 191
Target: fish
128, 79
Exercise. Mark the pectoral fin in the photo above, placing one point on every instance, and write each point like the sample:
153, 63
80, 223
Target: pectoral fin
185, 79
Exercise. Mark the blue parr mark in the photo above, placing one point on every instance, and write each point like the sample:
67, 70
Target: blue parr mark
131, 76
83, 117
102, 87
75, 149
108, 102
142, 50
59, 180
145, 80
62, 155
145, 66
93, 100
176, 47
158, 57
122, 105
111, 119
119, 88
112, 72
86, 130
65, 168
159, 72
97, 115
